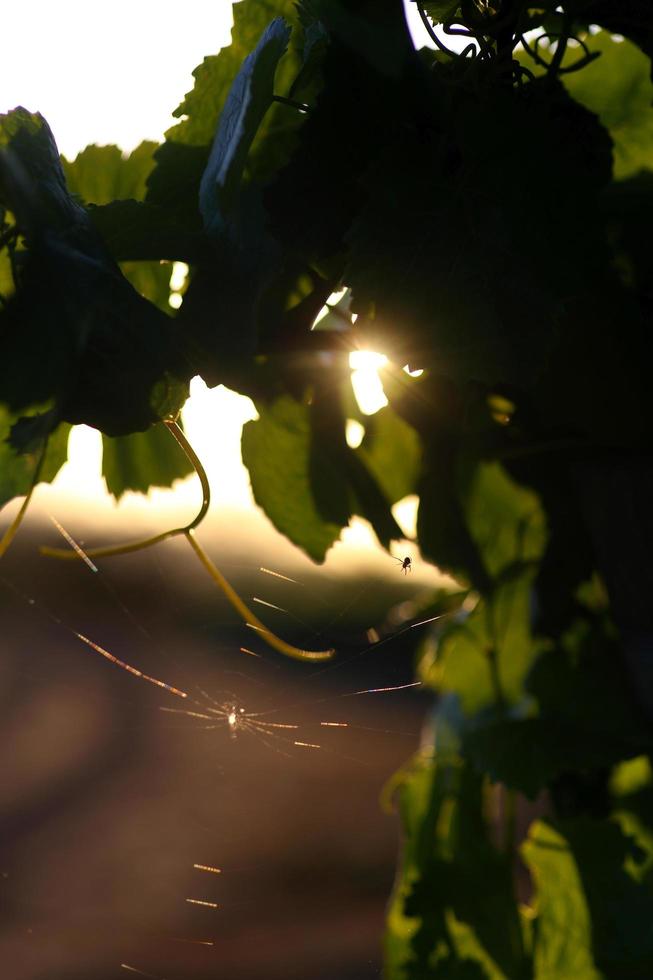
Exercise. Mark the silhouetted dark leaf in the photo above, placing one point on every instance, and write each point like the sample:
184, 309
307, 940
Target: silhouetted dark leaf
249, 98
526, 754
102, 347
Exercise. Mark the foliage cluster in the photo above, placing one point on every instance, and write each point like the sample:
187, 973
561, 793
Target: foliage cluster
489, 214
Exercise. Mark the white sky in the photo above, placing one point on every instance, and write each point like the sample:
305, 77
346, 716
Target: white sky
106, 72
110, 72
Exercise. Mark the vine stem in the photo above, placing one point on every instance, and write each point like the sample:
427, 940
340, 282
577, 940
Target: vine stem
246, 613
10, 533
493, 663
509, 820
186, 531
431, 32
123, 549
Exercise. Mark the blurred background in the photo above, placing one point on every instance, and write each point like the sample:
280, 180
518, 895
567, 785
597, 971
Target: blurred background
108, 804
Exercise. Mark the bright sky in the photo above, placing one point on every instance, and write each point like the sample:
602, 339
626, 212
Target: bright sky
113, 73
106, 73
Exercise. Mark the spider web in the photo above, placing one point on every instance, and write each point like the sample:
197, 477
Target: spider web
236, 828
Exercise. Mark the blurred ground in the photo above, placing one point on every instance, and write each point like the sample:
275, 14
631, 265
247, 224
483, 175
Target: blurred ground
106, 802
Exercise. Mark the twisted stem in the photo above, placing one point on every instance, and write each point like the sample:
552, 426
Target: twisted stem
10, 533
186, 531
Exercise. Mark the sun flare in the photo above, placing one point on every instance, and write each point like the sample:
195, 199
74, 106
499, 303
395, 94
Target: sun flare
367, 385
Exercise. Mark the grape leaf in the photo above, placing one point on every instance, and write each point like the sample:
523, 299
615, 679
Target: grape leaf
617, 87
506, 521
6, 276
248, 99
630, 18
392, 452
102, 174
102, 347
142, 460
182, 159
447, 220
593, 918
276, 451
17, 470
440, 10
527, 753
453, 899
485, 659
563, 947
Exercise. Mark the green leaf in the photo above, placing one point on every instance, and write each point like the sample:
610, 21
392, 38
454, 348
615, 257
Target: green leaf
151, 280
248, 99
453, 899
142, 460
506, 521
376, 32
473, 517
485, 659
563, 947
135, 230
526, 754
427, 230
6, 276
276, 450
630, 18
618, 88
440, 10
101, 346
392, 452
102, 174
328, 452
370, 501
441, 522
628, 207
309, 79
357, 108
341, 481
17, 470
583, 681
182, 159
593, 918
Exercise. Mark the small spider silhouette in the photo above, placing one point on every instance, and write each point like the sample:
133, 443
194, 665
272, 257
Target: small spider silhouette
406, 563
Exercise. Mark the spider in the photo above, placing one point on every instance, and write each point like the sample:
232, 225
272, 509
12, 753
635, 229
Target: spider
406, 563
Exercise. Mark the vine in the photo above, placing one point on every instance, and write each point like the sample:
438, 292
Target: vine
485, 215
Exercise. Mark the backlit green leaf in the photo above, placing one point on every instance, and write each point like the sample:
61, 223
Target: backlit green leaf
563, 947
17, 470
276, 451
101, 174
593, 918
142, 460
618, 88
392, 452
486, 659
440, 10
